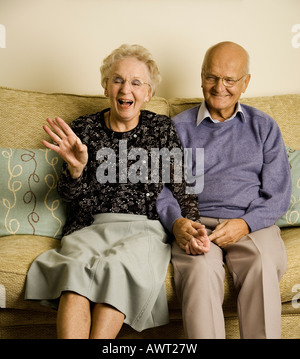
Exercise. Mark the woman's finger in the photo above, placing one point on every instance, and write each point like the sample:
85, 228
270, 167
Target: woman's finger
52, 134
66, 128
56, 128
51, 146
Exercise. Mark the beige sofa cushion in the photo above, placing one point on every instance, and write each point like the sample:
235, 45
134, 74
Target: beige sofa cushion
17, 254
23, 113
19, 251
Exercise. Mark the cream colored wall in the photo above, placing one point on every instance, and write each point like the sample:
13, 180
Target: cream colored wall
58, 45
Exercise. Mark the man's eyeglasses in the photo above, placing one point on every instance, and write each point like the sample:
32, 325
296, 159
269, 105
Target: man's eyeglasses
227, 81
134, 83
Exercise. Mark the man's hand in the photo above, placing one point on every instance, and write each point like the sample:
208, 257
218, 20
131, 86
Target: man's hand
229, 232
191, 236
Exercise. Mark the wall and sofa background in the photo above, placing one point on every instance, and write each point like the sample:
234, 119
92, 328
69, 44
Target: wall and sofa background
58, 45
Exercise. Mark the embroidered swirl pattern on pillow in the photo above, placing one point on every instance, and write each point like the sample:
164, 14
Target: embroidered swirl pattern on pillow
292, 216
29, 202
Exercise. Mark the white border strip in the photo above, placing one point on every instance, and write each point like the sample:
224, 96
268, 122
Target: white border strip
2, 296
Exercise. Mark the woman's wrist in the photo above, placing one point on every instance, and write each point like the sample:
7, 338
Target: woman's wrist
75, 173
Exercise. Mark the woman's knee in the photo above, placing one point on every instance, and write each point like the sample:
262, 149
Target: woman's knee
73, 298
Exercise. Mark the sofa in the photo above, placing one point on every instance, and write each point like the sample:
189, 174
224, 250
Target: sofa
32, 214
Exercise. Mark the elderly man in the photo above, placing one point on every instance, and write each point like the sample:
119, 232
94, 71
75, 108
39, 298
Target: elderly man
247, 187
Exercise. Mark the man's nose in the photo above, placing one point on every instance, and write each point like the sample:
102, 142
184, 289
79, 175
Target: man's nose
219, 86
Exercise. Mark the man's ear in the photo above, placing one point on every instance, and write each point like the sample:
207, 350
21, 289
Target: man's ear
246, 83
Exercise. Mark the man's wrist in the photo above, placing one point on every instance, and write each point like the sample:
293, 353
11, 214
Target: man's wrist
178, 222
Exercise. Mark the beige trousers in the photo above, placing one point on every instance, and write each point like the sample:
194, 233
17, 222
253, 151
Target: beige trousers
256, 263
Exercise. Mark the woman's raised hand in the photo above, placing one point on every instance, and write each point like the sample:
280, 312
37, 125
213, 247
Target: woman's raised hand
68, 145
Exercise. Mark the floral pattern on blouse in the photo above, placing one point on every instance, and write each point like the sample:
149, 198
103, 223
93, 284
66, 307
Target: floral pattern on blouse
86, 196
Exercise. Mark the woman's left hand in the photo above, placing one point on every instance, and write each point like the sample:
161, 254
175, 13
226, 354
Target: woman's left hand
199, 245
69, 146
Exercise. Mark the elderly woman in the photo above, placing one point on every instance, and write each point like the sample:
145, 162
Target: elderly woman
114, 255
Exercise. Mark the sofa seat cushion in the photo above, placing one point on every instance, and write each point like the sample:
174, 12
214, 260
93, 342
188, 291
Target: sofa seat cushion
17, 254
19, 251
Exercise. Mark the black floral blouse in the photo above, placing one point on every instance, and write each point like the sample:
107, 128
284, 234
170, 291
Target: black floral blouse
88, 195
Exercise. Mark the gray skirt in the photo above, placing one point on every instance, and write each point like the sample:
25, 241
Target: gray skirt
120, 260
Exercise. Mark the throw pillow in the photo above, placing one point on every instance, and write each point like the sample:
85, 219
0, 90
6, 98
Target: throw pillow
29, 202
292, 216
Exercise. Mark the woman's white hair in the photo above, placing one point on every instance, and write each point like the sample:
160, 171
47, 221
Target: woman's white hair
137, 51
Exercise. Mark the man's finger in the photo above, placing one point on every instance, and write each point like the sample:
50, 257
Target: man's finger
221, 225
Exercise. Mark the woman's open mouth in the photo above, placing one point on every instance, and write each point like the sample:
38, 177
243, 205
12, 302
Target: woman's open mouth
125, 104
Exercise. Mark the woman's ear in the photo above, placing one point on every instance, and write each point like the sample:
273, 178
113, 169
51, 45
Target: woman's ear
149, 95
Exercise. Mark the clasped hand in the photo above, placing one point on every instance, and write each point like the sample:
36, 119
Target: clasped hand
191, 236
68, 146
193, 239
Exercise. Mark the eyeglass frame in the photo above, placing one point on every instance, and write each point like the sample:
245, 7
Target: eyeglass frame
129, 81
217, 78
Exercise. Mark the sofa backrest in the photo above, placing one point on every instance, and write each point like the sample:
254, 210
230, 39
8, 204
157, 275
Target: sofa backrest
23, 113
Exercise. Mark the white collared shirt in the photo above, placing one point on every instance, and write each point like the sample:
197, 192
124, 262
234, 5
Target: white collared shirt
204, 113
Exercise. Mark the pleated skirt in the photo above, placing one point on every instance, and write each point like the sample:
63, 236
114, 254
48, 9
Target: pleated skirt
120, 260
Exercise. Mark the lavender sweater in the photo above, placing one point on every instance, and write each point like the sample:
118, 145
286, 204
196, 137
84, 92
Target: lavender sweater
246, 170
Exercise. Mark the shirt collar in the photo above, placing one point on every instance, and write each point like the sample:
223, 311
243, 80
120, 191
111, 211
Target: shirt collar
203, 113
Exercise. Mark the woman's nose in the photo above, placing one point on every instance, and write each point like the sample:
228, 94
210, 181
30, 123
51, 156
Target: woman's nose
126, 87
